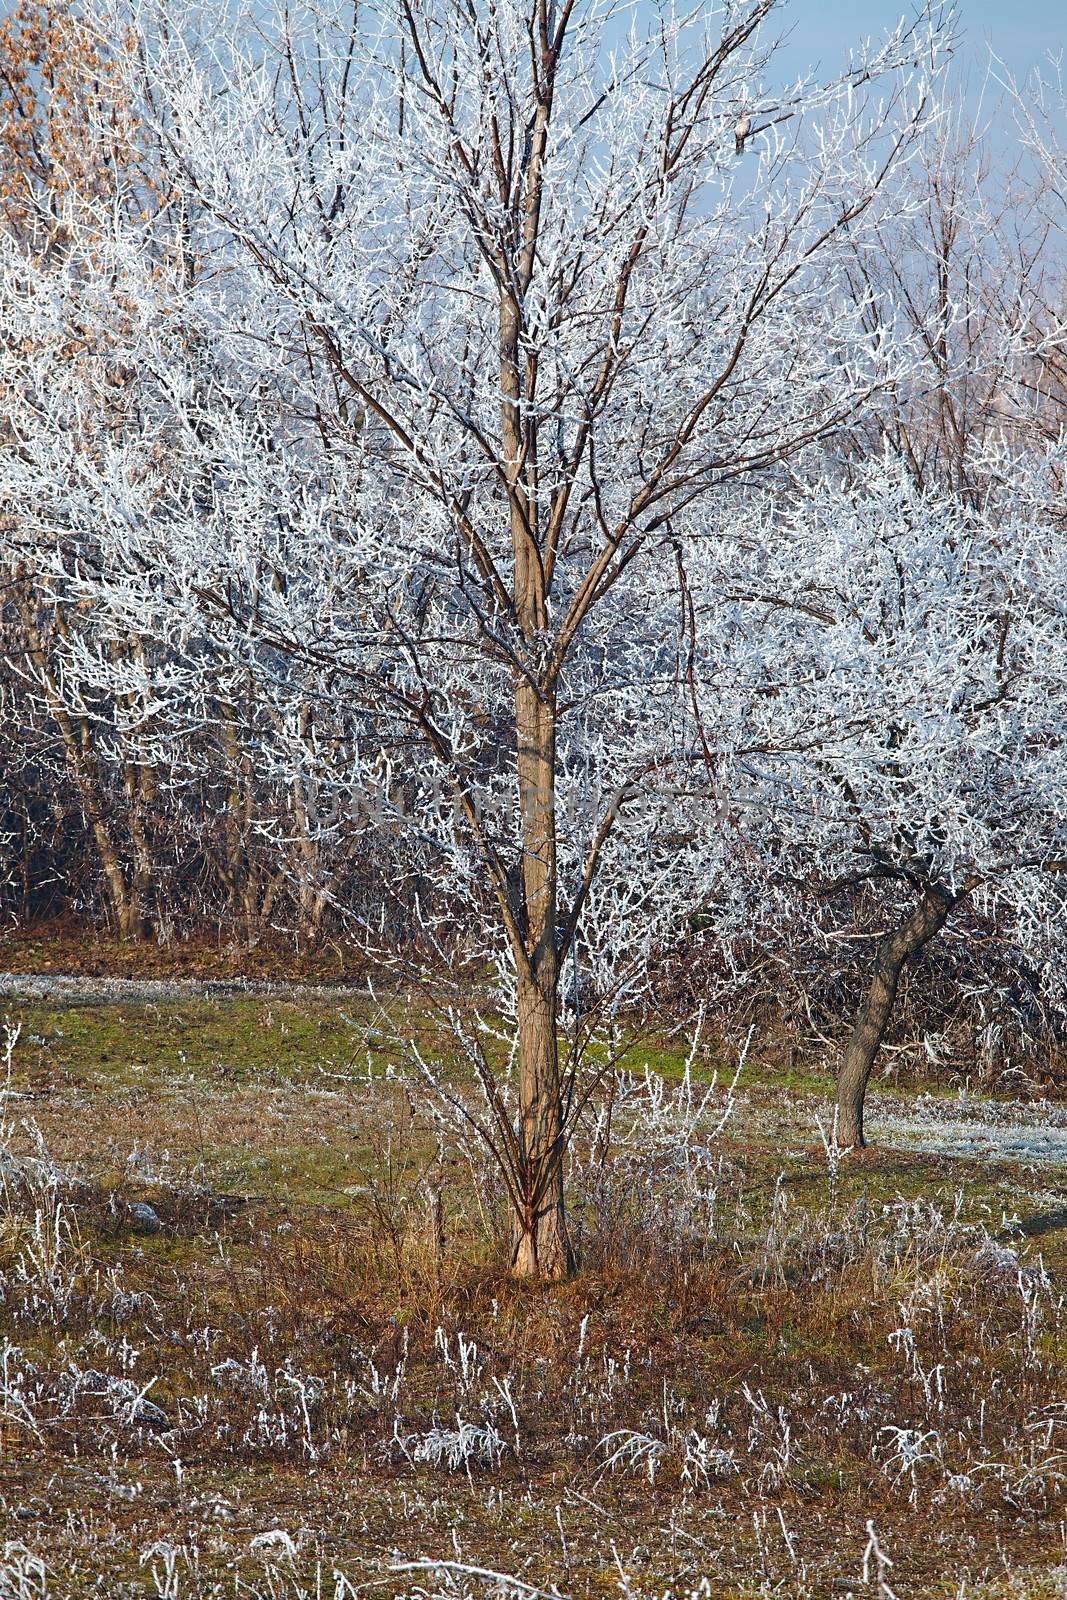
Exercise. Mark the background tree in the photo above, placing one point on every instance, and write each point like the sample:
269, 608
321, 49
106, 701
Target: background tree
968, 271
896, 674
69, 154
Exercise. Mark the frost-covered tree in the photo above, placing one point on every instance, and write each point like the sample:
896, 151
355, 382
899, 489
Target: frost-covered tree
67, 149
972, 272
891, 707
476, 309
1040, 112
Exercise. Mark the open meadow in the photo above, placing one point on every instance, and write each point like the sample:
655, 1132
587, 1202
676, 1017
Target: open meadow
258, 1335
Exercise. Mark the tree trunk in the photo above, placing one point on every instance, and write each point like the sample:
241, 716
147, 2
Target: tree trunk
75, 733
234, 864
312, 894
541, 1246
927, 918
82, 763
137, 783
139, 787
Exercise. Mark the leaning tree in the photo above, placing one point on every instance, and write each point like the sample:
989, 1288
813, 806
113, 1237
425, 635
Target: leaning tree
486, 303
896, 660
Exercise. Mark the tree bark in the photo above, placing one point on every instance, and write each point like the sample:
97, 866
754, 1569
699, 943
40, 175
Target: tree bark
541, 1242
542, 1246
898, 947
139, 787
312, 894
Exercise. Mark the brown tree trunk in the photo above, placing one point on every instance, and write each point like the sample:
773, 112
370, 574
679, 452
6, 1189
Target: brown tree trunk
541, 1243
139, 787
234, 864
927, 918
137, 784
75, 733
312, 893
542, 1246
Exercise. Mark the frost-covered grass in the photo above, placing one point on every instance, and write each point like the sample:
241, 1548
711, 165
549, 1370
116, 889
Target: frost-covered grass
1030, 1132
775, 1375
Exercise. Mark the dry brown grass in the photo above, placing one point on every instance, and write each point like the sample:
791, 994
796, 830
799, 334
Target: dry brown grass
754, 1364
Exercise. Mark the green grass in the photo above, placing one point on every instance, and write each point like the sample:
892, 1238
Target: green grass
237, 1041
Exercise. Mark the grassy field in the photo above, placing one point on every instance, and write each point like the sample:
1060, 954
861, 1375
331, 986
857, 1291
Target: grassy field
304, 1371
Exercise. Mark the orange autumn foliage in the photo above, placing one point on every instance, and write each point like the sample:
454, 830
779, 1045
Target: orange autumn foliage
68, 138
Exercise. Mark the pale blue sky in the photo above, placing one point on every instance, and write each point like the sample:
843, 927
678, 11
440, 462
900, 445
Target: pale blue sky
1021, 32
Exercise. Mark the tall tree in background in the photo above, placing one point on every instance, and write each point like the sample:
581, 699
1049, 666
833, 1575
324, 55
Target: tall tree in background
79, 168
67, 135
1040, 110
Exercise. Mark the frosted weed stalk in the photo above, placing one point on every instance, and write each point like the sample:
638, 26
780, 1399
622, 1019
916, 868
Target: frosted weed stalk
46, 1259
647, 1172
23, 1575
836, 1154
